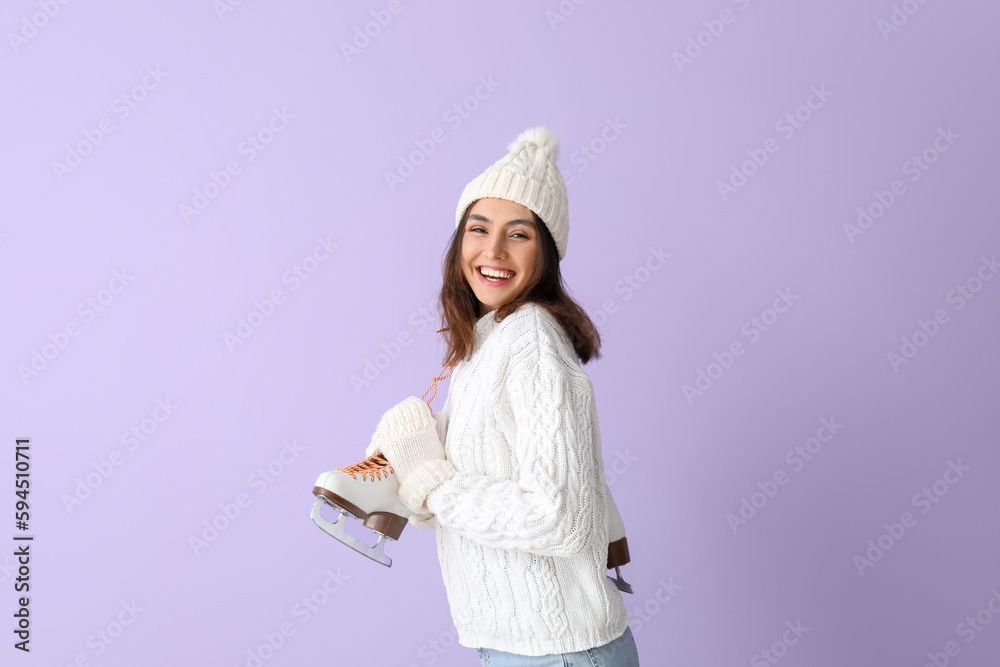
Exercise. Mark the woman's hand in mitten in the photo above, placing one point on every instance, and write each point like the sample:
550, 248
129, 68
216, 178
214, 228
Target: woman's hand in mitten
408, 437
441, 422
423, 520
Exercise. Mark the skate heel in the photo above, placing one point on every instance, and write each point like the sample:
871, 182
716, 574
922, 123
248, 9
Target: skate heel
617, 556
384, 523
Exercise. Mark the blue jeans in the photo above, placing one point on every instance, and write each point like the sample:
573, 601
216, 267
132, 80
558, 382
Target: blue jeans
620, 652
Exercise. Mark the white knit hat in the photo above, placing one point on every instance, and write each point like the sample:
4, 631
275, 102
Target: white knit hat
527, 175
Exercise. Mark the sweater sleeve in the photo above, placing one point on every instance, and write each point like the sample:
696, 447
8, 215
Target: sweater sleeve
549, 503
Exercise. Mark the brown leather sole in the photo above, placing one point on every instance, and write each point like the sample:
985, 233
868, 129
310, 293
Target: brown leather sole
618, 553
385, 523
340, 502
390, 525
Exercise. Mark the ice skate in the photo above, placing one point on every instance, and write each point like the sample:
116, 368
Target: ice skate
617, 543
367, 490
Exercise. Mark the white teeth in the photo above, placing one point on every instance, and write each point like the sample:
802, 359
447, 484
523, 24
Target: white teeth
490, 273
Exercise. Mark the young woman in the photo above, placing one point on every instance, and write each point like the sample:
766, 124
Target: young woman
510, 473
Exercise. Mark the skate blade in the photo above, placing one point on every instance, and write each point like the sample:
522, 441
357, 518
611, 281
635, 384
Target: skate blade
337, 531
622, 585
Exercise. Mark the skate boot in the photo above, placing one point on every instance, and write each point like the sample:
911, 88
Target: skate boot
367, 490
617, 543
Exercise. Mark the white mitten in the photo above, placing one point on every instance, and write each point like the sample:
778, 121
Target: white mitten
424, 521
408, 436
441, 422
442, 426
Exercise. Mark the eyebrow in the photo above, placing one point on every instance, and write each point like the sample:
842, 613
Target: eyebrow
482, 218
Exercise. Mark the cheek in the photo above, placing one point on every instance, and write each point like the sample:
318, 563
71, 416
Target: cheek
528, 260
466, 255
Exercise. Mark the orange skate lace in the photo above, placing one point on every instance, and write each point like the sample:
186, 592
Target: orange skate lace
434, 384
374, 466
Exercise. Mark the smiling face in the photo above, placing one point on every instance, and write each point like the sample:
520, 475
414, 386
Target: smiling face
499, 246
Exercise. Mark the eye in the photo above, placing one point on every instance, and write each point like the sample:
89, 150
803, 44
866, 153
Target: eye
522, 235
476, 229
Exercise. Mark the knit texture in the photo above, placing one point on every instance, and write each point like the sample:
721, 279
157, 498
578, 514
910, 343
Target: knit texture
528, 175
422, 481
426, 521
407, 436
521, 526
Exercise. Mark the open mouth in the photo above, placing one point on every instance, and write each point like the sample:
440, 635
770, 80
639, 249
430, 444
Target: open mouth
495, 275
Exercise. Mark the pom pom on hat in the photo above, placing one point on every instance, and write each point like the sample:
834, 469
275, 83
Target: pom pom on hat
539, 136
527, 175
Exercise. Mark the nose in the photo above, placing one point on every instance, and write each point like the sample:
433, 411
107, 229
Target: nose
497, 247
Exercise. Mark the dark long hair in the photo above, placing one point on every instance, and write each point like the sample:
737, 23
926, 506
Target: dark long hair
460, 307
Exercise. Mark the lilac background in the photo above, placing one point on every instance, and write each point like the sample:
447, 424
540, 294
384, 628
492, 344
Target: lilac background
677, 467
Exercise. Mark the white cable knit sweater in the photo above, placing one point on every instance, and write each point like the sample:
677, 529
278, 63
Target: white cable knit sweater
521, 527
